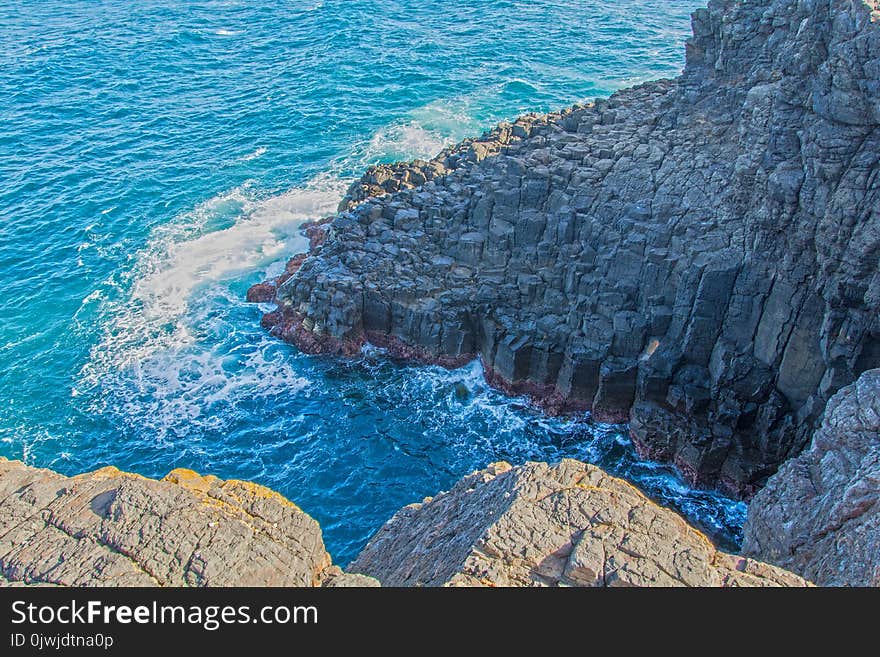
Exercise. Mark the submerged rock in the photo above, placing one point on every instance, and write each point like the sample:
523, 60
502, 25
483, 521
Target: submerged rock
112, 528
569, 524
462, 392
820, 514
698, 255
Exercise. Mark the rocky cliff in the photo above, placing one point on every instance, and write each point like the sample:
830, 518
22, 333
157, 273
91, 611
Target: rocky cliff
820, 514
112, 528
568, 524
697, 256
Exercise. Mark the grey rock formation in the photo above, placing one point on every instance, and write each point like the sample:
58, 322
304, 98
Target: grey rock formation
111, 528
384, 179
697, 255
569, 524
820, 514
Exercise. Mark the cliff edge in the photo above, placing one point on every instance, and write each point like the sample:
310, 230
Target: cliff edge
820, 514
113, 528
698, 256
539, 524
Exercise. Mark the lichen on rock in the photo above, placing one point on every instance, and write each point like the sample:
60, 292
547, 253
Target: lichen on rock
113, 528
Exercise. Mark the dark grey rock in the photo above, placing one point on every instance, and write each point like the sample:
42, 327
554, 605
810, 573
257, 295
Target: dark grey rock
698, 254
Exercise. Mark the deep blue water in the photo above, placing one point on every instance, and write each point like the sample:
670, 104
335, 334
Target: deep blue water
156, 158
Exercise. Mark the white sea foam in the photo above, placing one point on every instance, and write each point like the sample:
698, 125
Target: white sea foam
422, 133
25, 440
184, 392
260, 152
150, 354
94, 295
264, 232
189, 252
403, 140
166, 359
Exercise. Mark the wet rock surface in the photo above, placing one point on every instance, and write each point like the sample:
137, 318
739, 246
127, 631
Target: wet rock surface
111, 528
698, 255
820, 514
569, 524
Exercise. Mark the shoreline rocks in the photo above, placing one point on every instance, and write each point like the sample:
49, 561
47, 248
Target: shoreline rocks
698, 256
567, 524
113, 528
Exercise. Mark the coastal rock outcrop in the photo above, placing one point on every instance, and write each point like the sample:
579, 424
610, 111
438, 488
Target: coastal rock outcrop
819, 515
112, 528
698, 256
568, 524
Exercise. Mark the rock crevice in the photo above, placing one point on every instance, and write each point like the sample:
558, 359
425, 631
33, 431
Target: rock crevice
819, 515
539, 524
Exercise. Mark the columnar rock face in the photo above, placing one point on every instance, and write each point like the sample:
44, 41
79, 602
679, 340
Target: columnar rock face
699, 256
111, 528
820, 514
569, 524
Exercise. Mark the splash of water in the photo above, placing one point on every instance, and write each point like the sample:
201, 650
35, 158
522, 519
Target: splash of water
199, 249
163, 362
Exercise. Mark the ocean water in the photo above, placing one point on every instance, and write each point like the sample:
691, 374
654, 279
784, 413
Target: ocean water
156, 159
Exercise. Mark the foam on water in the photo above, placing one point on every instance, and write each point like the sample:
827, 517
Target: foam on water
156, 365
259, 152
422, 133
395, 141
231, 233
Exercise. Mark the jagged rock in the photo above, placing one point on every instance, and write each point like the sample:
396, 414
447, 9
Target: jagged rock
569, 524
112, 528
261, 293
819, 515
382, 179
699, 255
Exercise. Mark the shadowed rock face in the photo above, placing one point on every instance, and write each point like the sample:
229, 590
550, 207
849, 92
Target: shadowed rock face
820, 514
568, 524
111, 528
699, 256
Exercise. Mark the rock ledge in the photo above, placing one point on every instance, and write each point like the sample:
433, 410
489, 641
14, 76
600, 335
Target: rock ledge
112, 528
569, 524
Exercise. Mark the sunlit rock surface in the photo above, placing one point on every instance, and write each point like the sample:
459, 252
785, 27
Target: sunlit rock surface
112, 528
569, 524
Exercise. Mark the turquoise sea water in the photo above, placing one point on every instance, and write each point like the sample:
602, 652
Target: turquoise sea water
156, 158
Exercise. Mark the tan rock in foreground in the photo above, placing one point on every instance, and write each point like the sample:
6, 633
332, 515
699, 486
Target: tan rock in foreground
564, 524
111, 528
